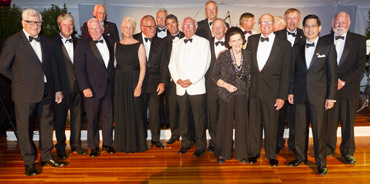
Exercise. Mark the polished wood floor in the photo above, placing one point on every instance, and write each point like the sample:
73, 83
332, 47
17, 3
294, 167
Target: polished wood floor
166, 166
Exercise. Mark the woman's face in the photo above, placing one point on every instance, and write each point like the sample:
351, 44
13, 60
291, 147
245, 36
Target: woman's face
128, 29
236, 42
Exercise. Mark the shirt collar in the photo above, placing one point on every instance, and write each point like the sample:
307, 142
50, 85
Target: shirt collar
63, 38
344, 35
295, 31
28, 35
315, 41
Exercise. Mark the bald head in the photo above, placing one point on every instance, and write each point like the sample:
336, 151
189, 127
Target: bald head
100, 12
189, 26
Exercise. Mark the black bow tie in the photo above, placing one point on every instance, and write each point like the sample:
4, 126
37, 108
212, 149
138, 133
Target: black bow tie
98, 41
146, 39
249, 32
70, 40
176, 36
220, 42
30, 38
293, 34
308, 45
210, 23
339, 37
160, 30
264, 39
186, 40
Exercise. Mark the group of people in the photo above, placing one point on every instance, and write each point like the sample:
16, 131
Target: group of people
212, 75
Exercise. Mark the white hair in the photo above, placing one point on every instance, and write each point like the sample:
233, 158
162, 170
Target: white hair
30, 12
94, 20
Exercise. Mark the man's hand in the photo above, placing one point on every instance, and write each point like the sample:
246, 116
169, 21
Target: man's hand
160, 88
341, 84
87, 93
137, 92
279, 104
329, 104
58, 97
291, 98
186, 83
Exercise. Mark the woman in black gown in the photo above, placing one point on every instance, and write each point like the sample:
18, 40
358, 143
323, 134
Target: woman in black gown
231, 73
130, 62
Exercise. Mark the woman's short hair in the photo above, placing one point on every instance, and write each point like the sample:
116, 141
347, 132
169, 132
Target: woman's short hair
231, 32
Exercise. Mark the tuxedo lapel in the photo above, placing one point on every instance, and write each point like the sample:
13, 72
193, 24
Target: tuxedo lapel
254, 48
346, 49
316, 53
274, 52
213, 47
96, 52
64, 50
28, 46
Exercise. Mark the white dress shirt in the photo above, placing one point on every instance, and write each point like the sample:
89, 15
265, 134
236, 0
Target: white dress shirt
104, 51
291, 38
339, 46
264, 50
36, 46
191, 61
163, 33
68, 46
210, 27
309, 52
219, 48
147, 45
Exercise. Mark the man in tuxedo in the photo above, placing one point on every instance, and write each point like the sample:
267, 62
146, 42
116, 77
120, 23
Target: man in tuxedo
270, 71
94, 70
246, 23
172, 25
313, 87
205, 26
64, 45
27, 60
294, 35
110, 28
161, 23
155, 76
219, 29
190, 59
351, 59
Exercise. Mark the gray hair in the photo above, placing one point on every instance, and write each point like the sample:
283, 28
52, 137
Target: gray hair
94, 20
30, 12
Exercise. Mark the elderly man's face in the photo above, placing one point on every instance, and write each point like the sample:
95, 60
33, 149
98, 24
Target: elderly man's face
172, 26
95, 30
32, 25
248, 23
211, 11
161, 18
292, 20
66, 28
100, 13
219, 29
266, 24
188, 27
149, 28
341, 24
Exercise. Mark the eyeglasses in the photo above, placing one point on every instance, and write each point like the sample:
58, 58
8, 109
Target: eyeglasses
269, 22
31, 23
189, 25
151, 27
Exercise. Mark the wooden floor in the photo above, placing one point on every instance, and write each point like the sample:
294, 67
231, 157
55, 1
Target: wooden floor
166, 166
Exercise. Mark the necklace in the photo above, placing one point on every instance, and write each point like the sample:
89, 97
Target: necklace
239, 70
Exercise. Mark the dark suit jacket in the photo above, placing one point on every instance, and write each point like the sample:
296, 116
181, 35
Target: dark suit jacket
211, 85
90, 69
169, 39
64, 63
299, 37
19, 62
110, 31
351, 64
319, 82
204, 31
157, 65
272, 81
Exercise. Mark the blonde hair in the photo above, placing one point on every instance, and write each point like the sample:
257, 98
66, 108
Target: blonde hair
64, 16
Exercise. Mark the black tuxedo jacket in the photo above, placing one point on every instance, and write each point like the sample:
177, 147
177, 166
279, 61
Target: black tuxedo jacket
272, 81
211, 85
319, 81
169, 40
90, 69
156, 66
64, 63
299, 37
204, 31
110, 31
19, 62
351, 64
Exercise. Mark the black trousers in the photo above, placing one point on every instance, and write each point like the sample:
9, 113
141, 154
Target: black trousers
315, 114
212, 111
152, 101
263, 115
73, 101
173, 110
286, 115
195, 104
344, 111
25, 116
236, 109
94, 107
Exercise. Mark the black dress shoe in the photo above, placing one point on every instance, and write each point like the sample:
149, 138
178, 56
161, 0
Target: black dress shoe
274, 162
157, 144
53, 163
61, 154
295, 163
94, 152
108, 149
252, 160
348, 159
322, 170
211, 148
220, 160
198, 153
171, 141
79, 150
278, 150
30, 170
183, 150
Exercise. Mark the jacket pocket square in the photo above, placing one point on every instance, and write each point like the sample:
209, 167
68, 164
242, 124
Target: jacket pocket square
320, 56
